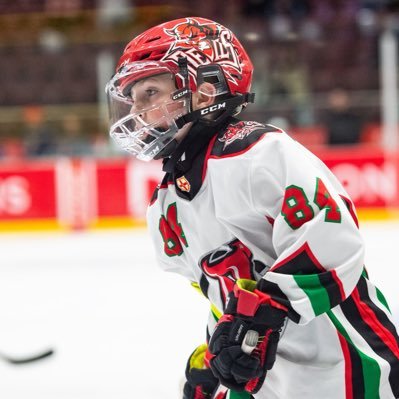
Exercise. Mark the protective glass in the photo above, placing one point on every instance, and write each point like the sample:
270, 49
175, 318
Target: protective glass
143, 132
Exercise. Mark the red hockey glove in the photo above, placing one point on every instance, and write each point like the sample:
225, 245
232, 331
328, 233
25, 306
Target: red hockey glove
200, 381
232, 362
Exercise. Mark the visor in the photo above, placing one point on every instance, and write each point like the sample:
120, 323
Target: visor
120, 84
146, 132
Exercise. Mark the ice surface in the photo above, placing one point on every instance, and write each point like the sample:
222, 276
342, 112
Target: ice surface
122, 328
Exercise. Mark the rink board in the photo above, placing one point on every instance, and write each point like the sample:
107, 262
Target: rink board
90, 193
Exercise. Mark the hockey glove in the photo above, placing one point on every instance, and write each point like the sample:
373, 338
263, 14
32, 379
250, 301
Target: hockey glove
241, 365
200, 381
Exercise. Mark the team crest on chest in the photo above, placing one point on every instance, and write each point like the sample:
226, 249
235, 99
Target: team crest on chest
183, 184
239, 131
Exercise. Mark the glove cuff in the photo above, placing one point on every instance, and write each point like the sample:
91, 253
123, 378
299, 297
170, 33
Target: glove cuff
197, 358
200, 381
249, 298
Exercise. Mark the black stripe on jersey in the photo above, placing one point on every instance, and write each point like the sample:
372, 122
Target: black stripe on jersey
357, 373
380, 314
275, 292
385, 321
353, 315
166, 179
304, 262
330, 284
204, 285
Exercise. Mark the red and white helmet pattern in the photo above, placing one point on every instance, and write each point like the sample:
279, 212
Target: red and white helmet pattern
202, 42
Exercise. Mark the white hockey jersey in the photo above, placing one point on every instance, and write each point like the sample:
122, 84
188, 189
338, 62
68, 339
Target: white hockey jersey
253, 203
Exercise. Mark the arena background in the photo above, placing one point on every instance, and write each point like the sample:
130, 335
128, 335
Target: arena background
319, 66
75, 258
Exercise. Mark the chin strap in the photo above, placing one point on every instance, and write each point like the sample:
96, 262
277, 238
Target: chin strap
227, 107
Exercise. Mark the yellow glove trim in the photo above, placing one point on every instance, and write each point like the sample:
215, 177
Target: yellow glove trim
247, 285
198, 356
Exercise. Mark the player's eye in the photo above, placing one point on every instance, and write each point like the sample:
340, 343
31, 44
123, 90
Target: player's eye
151, 92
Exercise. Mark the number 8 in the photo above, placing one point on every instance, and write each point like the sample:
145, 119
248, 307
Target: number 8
297, 210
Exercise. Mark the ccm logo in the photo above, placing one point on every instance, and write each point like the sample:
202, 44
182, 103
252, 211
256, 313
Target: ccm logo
213, 108
180, 94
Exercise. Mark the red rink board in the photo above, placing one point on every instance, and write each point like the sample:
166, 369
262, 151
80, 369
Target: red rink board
27, 191
82, 192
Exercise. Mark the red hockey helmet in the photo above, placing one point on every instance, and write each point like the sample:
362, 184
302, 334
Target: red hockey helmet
211, 53
202, 42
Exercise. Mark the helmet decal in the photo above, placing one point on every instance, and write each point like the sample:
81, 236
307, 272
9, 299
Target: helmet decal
203, 44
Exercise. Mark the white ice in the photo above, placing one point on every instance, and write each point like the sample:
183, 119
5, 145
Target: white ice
121, 328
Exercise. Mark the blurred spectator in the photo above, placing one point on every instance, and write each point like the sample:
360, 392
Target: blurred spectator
343, 125
11, 149
73, 141
39, 139
289, 79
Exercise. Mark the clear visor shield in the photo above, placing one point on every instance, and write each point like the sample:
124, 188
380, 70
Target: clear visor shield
142, 131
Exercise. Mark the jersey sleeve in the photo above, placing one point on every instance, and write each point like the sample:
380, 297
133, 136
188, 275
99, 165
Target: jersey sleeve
318, 249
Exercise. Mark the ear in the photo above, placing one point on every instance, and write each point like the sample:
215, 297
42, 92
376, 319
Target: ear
204, 96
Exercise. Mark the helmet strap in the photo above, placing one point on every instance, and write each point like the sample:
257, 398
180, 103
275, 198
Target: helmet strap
184, 76
225, 107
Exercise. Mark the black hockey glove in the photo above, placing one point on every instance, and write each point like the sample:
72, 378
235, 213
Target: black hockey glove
200, 381
239, 364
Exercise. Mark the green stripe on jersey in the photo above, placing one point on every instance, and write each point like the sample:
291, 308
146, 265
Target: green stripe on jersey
382, 299
238, 395
317, 294
364, 273
370, 367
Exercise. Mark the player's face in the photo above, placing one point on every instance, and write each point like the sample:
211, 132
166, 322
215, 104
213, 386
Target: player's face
147, 94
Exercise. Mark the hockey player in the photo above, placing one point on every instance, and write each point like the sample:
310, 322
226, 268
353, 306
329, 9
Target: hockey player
256, 222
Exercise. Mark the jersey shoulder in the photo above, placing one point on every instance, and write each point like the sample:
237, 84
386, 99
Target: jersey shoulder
239, 137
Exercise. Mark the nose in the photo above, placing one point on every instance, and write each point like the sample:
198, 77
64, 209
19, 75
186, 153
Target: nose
135, 110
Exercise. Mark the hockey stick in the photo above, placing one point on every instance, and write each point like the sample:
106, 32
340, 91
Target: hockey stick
26, 359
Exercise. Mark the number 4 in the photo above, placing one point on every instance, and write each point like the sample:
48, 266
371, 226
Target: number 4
296, 209
172, 232
324, 200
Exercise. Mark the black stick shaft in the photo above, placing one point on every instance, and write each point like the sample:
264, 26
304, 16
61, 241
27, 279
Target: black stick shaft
26, 359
